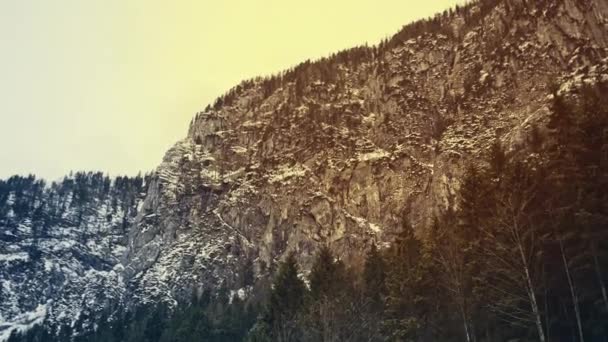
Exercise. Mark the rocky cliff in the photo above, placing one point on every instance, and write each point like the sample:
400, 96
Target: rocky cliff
346, 150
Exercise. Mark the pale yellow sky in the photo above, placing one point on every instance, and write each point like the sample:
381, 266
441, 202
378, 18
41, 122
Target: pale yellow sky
110, 85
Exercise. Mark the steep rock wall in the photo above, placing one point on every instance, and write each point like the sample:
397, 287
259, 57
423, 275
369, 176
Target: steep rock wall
349, 161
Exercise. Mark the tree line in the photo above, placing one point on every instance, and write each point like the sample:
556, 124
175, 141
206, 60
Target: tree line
26, 197
326, 69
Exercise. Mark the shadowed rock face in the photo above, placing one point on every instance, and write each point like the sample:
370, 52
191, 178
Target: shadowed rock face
348, 161
342, 160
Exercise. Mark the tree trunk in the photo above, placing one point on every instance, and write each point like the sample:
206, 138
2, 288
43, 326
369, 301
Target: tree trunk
466, 330
572, 292
465, 321
532, 295
599, 275
547, 325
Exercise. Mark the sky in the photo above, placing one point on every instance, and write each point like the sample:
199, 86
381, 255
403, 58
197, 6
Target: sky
110, 85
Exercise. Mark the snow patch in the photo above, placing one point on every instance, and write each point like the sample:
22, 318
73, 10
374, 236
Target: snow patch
21, 256
23, 322
372, 156
363, 223
285, 172
239, 149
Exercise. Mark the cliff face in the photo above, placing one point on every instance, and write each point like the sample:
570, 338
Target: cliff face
346, 159
340, 153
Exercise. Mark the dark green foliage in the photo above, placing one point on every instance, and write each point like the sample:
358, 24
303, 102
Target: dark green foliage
578, 227
45, 204
326, 275
189, 324
286, 299
197, 321
374, 278
334, 309
410, 288
248, 274
498, 158
530, 236
330, 313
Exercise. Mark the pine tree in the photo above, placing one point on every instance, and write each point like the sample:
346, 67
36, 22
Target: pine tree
286, 300
325, 275
373, 292
579, 183
328, 312
460, 251
408, 283
374, 278
498, 158
15, 336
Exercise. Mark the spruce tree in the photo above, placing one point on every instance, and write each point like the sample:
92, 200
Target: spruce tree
328, 312
325, 275
409, 285
374, 278
286, 300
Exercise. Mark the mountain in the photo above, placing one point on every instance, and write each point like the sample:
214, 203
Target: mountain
344, 150
341, 152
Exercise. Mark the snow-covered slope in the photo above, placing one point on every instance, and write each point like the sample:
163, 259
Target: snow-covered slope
61, 246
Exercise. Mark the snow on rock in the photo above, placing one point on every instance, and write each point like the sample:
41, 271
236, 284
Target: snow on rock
7, 258
23, 322
285, 172
372, 156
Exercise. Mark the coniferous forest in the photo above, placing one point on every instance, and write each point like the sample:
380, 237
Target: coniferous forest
523, 258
